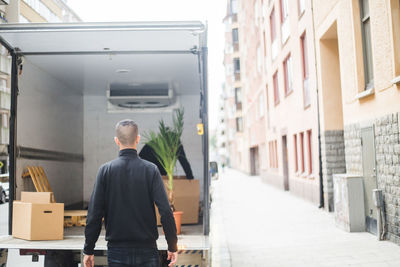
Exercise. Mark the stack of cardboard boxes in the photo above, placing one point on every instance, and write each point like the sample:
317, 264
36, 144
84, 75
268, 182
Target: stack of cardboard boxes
186, 197
37, 217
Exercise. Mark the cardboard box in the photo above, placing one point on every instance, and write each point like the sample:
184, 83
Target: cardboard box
37, 197
36, 220
187, 197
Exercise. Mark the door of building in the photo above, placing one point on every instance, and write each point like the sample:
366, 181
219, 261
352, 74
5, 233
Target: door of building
369, 175
254, 161
285, 163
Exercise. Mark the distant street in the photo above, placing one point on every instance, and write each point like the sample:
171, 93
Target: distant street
4, 219
255, 224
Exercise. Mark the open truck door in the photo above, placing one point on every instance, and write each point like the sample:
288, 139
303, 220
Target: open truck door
72, 82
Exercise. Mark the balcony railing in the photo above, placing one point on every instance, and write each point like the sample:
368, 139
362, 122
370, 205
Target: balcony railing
234, 18
237, 76
236, 47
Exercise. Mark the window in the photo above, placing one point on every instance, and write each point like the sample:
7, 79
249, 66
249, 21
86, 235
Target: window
296, 163
276, 88
287, 68
239, 124
3, 85
302, 152
302, 6
272, 25
309, 142
284, 10
43, 10
285, 27
236, 65
304, 57
234, 6
238, 98
4, 120
256, 14
235, 36
236, 68
367, 46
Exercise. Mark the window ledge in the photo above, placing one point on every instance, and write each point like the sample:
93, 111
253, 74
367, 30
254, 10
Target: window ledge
365, 93
396, 80
289, 93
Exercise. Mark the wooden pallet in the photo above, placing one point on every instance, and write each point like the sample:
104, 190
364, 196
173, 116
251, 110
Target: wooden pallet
39, 179
75, 218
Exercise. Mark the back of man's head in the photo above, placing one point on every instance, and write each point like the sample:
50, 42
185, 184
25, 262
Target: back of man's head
127, 132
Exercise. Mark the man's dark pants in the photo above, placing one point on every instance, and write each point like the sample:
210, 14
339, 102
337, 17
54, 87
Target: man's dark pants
133, 257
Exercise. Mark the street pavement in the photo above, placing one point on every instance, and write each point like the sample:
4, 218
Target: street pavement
255, 224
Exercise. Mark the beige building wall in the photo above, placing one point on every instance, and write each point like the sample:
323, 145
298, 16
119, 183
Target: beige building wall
268, 123
251, 54
234, 103
368, 116
290, 117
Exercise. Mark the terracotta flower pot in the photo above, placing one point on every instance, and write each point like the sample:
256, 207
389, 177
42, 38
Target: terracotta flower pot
178, 220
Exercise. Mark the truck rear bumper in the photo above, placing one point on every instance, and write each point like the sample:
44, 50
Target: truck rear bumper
185, 242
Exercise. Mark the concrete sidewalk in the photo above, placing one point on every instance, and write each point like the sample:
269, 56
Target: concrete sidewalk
255, 224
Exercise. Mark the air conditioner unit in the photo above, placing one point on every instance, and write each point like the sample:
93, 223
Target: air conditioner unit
140, 96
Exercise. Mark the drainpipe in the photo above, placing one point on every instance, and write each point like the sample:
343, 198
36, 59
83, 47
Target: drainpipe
321, 181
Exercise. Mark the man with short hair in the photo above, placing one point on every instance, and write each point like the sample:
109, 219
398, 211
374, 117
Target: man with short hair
124, 194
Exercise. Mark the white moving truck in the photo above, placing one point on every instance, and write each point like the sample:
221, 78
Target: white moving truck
70, 85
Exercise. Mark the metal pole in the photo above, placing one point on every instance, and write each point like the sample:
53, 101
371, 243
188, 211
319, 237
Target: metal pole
206, 219
13, 136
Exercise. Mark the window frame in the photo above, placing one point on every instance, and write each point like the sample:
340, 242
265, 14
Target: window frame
304, 55
302, 165
236, 60
310, 154
367, 54
301, 7
284, 10
239, 124
288, 74
235, 30
272, 24
296, 159
238, 97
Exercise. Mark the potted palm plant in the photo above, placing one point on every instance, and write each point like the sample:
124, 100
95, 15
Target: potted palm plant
165, 144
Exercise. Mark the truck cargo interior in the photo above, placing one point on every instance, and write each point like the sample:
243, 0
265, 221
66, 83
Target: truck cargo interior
77, 82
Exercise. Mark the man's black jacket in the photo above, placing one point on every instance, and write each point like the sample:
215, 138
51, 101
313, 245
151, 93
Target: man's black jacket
124, 194
149, 154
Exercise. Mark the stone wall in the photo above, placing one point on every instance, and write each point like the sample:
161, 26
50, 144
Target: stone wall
352, 142
333, 161
387, 147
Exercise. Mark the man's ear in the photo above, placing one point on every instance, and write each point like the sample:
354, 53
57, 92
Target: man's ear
137, 139
117, 141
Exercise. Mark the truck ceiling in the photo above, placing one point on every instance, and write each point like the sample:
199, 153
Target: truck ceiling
90, 56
